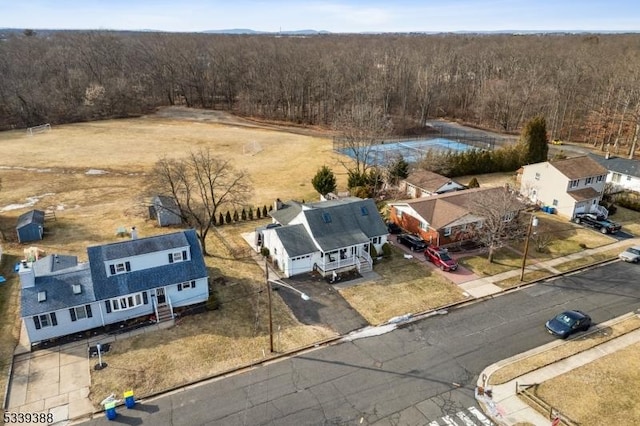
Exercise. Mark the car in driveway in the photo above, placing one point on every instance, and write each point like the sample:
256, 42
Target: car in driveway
441, 258
600, 223
394, 228
632, 254
414, 242
568, 322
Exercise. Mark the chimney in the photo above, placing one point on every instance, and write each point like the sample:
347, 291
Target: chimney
134, 233
607, 155
277, 205
27, 275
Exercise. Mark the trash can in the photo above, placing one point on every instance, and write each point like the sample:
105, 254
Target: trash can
129, 401
110, 410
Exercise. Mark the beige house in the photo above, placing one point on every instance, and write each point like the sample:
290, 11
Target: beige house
569, 186
424, 183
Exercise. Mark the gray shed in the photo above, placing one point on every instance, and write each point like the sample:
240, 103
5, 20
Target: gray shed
30, 226
166, 210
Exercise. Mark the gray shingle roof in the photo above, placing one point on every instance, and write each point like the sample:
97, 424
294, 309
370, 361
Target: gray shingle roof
33, 216
341, 223
287, 212
619, 165
167, 202
54, 263
59, 289
106, 287
129, 248
296, 240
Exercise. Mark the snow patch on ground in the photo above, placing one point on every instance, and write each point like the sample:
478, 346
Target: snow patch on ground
31, 201
96, 172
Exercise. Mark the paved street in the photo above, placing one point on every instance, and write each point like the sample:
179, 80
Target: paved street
418, 374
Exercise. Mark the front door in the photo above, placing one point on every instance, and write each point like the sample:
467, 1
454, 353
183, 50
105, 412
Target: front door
160, 296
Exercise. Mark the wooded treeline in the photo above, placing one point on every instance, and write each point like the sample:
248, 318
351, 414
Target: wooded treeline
586, 86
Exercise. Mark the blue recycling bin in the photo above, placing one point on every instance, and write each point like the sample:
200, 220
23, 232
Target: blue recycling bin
110, 410
129, 400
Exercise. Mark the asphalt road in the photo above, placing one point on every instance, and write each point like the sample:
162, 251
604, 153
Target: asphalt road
415, 375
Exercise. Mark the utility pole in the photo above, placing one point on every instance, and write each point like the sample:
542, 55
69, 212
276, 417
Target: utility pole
532, 223
266, 272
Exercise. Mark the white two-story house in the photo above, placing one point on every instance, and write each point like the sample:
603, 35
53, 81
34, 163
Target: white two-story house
123, 280
569, 186
623, 173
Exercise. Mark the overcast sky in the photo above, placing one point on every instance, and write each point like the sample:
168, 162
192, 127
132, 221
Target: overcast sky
330, 15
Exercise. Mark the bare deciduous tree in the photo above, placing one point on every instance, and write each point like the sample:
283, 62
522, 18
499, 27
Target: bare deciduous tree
502, 222
201, 184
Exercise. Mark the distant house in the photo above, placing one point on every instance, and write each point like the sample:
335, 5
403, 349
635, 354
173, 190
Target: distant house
424, 183
30, 226
165, 210
570, 186
443, 219
624, 173
121, 281
334, 235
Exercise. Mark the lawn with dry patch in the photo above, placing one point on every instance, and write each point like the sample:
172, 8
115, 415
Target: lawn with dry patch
407, 286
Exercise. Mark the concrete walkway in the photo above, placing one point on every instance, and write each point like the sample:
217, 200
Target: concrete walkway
506, 408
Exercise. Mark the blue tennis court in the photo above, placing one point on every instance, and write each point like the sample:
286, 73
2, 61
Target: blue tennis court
411, 150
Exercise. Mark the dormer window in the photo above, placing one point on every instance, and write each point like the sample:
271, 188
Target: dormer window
120, 268
574, 183
589, 180
178, 256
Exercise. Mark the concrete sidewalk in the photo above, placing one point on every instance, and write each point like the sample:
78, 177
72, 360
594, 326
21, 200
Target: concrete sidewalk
486, 286
506, 408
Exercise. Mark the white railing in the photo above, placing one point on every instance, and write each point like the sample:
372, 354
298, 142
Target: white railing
602, 211
340, 263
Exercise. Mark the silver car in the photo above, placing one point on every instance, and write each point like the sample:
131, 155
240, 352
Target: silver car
632, 254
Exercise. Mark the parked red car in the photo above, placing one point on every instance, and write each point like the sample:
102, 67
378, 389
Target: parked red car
440, 257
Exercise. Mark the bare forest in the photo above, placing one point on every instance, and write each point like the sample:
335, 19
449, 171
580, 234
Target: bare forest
586, 86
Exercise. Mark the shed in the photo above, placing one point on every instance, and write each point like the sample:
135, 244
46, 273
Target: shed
166, 210
30, 226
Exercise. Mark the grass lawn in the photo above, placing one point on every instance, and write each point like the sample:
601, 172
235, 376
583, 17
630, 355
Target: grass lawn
10, 309
629, 219
504, 260
589, 259
407, 286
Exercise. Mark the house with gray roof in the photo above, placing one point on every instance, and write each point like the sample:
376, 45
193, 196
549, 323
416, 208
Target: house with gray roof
121, 281
424, 183
326, 236
624, 173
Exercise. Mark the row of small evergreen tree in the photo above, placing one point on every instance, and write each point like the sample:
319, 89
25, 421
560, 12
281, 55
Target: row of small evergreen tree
247, 213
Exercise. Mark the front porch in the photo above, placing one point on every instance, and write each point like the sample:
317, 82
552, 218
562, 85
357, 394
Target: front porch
339, 261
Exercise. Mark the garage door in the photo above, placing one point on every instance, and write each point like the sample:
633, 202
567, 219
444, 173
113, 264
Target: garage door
300, 265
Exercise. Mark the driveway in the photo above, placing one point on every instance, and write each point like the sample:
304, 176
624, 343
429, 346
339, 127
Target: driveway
326, 306
459, 276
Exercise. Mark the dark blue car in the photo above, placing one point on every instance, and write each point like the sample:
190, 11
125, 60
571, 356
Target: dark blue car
567, 323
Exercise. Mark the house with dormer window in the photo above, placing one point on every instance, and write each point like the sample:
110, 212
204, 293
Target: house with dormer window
121, 281
327, 236
569, 186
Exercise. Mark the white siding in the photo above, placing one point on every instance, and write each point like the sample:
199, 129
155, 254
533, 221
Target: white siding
188, 296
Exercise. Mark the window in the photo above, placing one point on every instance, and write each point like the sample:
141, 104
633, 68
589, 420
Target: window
127, 302
537, 177
600, 178
399, 214
326, 217
188, 284
447, 232
555, 203
574, 183
80, 312
364, 211
376, 240
628, 178
178, 256
423, 226
120, 268
589, 180
46, 320
616, 177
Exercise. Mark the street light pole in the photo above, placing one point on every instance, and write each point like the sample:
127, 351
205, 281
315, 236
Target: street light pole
266, 271
532, 223
270, 283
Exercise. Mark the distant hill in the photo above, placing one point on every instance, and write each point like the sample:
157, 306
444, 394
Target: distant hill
248, 31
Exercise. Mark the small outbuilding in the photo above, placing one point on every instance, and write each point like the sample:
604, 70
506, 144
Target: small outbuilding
30, 226
165, 210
